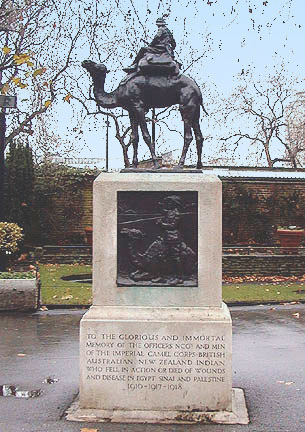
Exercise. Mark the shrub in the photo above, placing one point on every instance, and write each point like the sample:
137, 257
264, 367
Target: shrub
17, 275
10, 237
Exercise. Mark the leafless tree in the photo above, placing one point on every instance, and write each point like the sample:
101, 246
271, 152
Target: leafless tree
260, 115
38, 45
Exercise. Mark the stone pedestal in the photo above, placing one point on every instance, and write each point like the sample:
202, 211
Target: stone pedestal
156, 346
18, 295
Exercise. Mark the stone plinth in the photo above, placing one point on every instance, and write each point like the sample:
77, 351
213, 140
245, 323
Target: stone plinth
18, 294
156, 345
156, 359
107, 187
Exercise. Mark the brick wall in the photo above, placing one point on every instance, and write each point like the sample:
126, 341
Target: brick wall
243, 228
284, 265
69, 221
268, 210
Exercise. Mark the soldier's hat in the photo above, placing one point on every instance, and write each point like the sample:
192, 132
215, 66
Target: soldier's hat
172, 199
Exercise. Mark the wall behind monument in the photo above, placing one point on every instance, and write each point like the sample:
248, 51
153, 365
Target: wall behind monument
251, 211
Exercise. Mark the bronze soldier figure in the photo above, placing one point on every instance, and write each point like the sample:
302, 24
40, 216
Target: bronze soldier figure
160, 51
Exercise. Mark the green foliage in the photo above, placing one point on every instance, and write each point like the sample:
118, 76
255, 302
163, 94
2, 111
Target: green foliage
292, 208
244, 216
251, 218
54, 182
19, 187
10, 237
17, 275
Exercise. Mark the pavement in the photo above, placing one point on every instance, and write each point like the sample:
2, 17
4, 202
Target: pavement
268, 363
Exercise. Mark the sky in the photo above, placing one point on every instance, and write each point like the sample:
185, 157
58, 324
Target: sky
231, 36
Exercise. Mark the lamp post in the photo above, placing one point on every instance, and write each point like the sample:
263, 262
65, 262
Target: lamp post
153, 128
107, 143
5, 103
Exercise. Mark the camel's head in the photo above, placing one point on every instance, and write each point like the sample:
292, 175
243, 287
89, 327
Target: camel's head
93, 67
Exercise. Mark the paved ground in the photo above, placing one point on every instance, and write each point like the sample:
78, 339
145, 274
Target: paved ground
268, 363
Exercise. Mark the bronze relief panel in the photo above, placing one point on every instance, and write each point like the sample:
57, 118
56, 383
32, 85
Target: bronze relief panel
157, 238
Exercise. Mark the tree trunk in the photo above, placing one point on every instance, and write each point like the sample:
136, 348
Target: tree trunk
3, 261
2, 149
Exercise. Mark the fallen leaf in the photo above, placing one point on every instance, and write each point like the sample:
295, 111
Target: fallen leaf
88, 430
288, 383
68, 297
21, 355
50, 380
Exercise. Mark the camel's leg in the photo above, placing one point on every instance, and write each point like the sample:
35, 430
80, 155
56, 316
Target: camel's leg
146, 136
134, 137
187, 116
198, 137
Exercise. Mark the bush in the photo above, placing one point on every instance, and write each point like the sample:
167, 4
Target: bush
17, 275
10, 237
19, 188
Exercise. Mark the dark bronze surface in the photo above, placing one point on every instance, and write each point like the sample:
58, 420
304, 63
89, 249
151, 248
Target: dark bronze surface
153, 81
157, 238
158, 57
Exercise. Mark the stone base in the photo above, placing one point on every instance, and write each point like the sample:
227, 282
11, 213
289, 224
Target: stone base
144, 359
238, 415
18, 295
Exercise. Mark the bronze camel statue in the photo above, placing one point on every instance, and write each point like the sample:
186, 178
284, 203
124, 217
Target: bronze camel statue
140, 93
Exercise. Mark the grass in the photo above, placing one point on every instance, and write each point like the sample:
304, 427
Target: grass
56, 291
263, 292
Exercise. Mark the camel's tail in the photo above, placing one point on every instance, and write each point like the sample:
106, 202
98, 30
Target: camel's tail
204, 110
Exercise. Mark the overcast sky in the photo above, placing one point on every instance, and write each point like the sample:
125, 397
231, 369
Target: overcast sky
237, 35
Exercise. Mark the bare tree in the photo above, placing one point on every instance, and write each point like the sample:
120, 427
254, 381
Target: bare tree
295, 133
128, 28
38, 45
39, 42
259, 114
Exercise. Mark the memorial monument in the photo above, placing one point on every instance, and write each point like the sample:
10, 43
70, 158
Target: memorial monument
153, 81
156, 346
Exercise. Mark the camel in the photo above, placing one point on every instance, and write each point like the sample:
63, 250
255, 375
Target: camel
138, 93
157, 263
